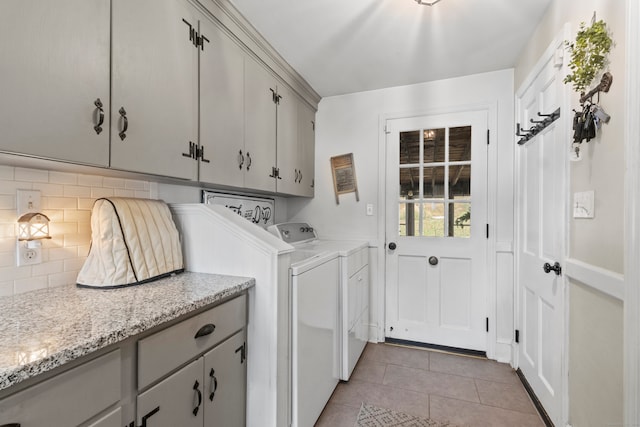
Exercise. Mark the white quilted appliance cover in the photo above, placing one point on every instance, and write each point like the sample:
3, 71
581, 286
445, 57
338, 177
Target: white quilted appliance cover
133, 241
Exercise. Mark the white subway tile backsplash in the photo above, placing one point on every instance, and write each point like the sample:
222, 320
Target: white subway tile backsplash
63, 178
30, 284
6, 172
67, 199
96, 193
59, 203
47, 268
6, 289
65, 278
7, 201
119, 192
62, 253
31, 175
113, 182
49, 189
90, 180
76, 191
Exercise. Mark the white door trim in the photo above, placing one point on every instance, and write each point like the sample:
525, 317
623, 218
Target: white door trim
495, 350
555, 48
632, 218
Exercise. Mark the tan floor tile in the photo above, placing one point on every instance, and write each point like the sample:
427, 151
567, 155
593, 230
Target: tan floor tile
477, 415
384, 353
507, 396
355, 392
336, 415
431, 382
484, 369
370, 371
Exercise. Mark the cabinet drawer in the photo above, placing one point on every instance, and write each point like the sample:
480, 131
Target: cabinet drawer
164, 351
357, 260
67, 399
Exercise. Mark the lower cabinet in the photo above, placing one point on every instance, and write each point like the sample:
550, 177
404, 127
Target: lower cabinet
68, 399
209, 391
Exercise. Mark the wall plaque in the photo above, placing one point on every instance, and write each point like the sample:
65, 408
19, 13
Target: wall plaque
344, 176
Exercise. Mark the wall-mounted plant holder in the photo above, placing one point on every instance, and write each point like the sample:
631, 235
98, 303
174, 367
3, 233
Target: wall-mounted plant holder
538, 126
344, 176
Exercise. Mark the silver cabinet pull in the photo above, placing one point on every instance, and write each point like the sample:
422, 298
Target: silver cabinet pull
98, 126
125, 123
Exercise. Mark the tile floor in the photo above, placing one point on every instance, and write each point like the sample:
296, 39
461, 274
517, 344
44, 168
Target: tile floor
463, 390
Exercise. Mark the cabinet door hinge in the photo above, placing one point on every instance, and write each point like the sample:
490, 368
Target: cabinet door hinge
313, 125
487, 324
488, 138
386, 130
200, 39
517, 336
243, 352
274, 96
487, 231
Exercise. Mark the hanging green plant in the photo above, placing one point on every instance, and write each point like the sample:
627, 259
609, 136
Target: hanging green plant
588, 54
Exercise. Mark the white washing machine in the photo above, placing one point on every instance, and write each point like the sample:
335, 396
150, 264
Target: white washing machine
353, 286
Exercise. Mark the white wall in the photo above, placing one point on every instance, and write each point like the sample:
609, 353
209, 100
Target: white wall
352, 123
596, 245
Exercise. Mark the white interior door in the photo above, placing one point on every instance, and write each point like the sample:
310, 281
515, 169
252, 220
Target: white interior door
541, 231
436, 250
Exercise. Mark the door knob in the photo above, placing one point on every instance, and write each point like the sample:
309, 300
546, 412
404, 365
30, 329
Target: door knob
433, 260
548, 268
392, 246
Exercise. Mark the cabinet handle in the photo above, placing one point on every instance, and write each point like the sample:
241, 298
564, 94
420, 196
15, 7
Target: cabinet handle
193, 151
205, 330
248, 160
313, 183
278, 173
240, 160
149, 415
214, 384
98, 126
273, 172
196, 388
125, 123
295, 171
11, 425
201, 155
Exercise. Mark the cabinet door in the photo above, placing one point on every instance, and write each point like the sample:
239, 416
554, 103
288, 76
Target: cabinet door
155, 83
221, 108
112, 419
306, 149
260, 127
54, 63
225, 371
175, 401
287, 145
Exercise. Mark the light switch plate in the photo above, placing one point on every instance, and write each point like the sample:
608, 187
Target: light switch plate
28, 201
583, 204
369, 209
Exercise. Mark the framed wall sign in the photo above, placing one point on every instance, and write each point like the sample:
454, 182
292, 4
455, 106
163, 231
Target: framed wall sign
344, 176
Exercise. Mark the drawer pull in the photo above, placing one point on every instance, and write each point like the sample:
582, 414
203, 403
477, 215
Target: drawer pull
149, 415
205, 330
196, 388
214, 384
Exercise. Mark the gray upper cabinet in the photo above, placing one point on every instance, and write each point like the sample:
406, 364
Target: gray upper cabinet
306, 149
221, 108
260, 89
154, 125
54, 63
287, 144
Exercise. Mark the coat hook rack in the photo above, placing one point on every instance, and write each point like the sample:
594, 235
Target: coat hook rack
603, 86
527, 134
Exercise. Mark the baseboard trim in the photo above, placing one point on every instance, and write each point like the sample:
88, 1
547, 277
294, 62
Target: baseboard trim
448, 349
536, 402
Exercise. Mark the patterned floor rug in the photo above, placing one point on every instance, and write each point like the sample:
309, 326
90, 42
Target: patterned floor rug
372, 416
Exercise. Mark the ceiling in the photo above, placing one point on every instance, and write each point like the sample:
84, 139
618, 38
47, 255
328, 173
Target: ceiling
346, 46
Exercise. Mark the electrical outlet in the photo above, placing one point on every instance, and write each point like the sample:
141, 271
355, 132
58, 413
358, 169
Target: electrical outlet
369, 209
28, 256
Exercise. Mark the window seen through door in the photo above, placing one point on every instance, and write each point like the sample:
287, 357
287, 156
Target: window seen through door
435, 182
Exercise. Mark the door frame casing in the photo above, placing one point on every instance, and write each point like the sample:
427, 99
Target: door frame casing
556, 46
495, 350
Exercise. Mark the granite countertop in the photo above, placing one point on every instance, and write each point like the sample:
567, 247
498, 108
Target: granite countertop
44, 329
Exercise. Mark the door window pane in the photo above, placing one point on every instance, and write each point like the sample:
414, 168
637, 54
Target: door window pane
409, 183
433, 220
460, 144
434, 145
409, 215
434, 182
410, 147
460, 220
459, 181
